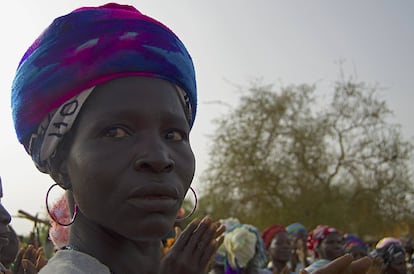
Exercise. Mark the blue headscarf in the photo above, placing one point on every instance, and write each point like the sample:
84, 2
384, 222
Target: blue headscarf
85, 48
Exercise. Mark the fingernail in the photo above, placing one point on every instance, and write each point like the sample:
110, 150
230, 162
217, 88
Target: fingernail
206, 220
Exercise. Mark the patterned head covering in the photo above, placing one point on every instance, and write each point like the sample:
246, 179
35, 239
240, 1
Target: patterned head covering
352, 241
296, 228
317, 235
85, 48
269, 233
389, 249
242, 245
387, 241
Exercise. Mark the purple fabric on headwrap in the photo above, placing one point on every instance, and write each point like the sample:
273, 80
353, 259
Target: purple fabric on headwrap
90, 46
352, 241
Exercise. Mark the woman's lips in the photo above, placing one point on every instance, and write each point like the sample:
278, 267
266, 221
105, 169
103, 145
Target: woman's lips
155, 197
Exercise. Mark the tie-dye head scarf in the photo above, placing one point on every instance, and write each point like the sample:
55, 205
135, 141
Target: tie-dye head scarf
317, 235
389, 249
269, 233
296, 228
242, 246
352, 241
85, 48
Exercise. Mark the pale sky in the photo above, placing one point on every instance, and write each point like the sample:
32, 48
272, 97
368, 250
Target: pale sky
232, 42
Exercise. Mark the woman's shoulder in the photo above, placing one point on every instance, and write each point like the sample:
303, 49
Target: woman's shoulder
73, 262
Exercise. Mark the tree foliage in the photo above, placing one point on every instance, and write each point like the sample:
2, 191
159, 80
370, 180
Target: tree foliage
287, 156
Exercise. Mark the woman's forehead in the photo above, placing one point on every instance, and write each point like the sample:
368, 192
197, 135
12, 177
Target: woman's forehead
134, 96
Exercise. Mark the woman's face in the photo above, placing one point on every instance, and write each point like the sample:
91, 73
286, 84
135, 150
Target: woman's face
4, 230
280, 248
358, 252
397, 265
331, 247
130, 162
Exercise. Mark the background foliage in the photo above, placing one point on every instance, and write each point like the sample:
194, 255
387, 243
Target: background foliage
288, 156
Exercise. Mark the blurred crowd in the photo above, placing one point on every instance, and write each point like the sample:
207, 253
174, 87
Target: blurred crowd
244, 248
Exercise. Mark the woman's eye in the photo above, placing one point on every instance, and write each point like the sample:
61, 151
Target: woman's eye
116, 132
175, 135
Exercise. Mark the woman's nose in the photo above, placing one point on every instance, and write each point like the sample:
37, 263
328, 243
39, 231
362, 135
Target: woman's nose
153, 164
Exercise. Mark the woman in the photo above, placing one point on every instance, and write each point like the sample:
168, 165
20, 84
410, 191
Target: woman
298, 235
4, 229
104, 101
278, 247
355, 246
242, 251
392, 253
327, 245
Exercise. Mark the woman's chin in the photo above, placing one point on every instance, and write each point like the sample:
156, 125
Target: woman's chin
150, 228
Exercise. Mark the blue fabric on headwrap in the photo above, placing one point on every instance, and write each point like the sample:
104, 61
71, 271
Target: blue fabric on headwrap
295, 228
88, 47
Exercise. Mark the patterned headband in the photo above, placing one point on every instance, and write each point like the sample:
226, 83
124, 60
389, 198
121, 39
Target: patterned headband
88, 47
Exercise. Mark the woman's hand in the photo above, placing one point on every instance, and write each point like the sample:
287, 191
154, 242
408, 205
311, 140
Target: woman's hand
29, 260
194, 248
344, 265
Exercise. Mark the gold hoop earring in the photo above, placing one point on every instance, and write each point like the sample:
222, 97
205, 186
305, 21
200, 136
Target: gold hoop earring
75, 211
179, 220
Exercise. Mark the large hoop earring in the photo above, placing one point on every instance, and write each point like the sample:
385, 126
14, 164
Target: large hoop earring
75, 211
179, 220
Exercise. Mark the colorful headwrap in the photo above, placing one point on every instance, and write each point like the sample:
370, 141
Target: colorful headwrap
389, 249
387, 241
242, 245
296, 228
352, 241
317, 235
85, 48
269, 233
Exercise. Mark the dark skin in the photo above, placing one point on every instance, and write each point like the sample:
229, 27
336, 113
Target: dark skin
5, 219
299, 249
358, 252
280, 251
345, 265
130, 148
397, 265
8, 252
331, 247
197, 244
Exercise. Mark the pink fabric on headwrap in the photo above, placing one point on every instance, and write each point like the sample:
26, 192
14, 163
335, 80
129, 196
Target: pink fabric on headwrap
88, 47
317, 235
387, 241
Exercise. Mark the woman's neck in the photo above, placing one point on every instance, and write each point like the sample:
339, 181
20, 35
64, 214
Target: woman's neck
119, 254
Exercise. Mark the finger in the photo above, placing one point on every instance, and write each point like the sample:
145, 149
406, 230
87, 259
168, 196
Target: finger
220, 230
303, 271
39, 252
41, 259
361, 265
30, 253
210, 251
18, 259
178, 231
185, 235
29, 267
198, 234
208, 236
336, 266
